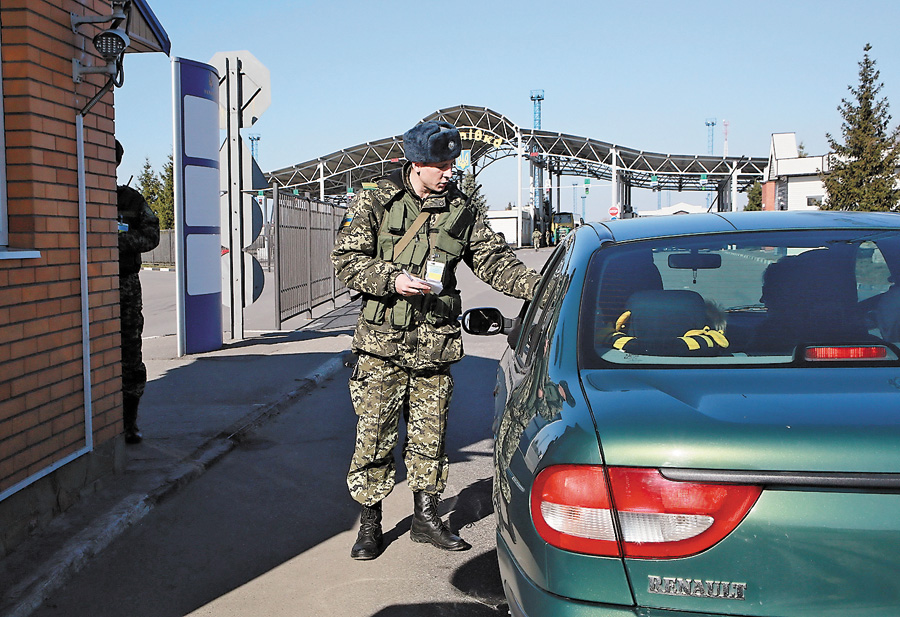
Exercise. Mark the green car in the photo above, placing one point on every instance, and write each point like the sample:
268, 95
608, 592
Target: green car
700, 415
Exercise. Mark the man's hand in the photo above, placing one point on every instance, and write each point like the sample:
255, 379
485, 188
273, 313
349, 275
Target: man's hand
407, 285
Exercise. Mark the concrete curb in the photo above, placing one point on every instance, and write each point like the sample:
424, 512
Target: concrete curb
89, 542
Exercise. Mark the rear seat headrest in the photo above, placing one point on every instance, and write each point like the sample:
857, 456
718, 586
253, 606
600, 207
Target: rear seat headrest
659, 314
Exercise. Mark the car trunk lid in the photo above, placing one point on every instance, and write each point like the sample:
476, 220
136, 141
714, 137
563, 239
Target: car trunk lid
823, 537
827, 420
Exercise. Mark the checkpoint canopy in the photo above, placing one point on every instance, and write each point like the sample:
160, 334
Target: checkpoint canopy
491, 136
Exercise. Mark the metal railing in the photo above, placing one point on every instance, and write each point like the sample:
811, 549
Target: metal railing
304, 236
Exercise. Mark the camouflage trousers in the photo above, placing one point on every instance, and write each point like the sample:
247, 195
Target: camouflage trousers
381, 391
134, 372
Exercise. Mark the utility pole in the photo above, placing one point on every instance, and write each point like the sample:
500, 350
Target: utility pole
725, 147
537, 174
710, 133
537, 96
710, 129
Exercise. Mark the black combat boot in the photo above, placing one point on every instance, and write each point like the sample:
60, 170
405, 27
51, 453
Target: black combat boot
129, 414
427, 526
369, 541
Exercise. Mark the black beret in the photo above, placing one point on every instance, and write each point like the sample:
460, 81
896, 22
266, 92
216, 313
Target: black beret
432, 142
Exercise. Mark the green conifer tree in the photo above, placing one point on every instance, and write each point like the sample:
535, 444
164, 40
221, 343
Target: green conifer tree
148, 184
473, 190
165, 203
754, 197
863, 168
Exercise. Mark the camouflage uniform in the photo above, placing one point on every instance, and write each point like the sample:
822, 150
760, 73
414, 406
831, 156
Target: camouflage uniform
407, 344
142, 235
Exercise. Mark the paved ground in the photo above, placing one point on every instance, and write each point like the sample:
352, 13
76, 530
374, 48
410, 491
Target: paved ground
199, 408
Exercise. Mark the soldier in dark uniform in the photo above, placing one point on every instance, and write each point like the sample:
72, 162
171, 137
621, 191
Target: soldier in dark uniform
399, 245
138, 233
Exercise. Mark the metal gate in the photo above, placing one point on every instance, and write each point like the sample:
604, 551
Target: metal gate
305, 230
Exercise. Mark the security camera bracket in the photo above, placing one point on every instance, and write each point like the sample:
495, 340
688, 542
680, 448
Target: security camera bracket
118, 13
78, 70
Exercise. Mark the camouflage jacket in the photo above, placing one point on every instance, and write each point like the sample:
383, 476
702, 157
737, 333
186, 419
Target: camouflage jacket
142, 233
419, 332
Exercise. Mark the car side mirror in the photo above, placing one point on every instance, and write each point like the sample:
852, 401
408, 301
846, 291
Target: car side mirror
484, 321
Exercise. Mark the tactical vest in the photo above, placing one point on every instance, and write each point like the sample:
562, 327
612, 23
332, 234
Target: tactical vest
447, 238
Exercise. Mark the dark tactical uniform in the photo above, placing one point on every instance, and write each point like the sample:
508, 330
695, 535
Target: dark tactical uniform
407, 344
141, 236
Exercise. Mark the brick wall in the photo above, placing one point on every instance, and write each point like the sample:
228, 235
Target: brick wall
41, 382
768, 195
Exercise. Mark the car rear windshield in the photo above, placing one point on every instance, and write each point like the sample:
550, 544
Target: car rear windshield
758, 298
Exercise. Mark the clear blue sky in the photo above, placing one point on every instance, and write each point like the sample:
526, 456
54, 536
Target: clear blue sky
642, 74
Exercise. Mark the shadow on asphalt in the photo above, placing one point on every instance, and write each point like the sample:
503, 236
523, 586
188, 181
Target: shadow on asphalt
274, 338
479, 579
441, 609
472, 504
279, 493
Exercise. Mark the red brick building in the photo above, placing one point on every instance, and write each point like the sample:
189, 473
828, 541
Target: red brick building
60, 375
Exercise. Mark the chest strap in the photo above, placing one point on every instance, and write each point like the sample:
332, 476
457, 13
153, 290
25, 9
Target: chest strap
411, 232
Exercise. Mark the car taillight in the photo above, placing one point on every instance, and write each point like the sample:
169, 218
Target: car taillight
846, 352
572, 508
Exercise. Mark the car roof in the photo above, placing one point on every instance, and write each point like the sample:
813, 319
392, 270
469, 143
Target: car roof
623, 230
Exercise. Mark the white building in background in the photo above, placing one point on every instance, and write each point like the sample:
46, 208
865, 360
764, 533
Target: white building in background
792, 181
507, 222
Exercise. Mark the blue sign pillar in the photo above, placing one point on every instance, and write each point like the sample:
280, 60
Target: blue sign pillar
197, 219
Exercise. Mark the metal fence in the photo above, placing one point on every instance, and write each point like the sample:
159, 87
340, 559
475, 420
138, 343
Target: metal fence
164, 254
304, 236
301, 241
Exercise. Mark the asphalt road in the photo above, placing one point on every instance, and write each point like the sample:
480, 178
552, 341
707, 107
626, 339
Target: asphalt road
268, 529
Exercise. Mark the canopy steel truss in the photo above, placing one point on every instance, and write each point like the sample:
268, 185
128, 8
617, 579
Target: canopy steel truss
491, 137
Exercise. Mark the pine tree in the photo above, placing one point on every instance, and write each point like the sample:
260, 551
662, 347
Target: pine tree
473, 190
148, 184
165, 204
754, 197
863, 168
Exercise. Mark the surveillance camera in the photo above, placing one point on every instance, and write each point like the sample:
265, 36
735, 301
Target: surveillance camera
111, 43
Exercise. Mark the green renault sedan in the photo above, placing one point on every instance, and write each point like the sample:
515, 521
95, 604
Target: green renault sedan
700, 415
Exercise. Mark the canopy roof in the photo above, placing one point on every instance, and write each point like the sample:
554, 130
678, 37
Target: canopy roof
491, 136
145, 31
